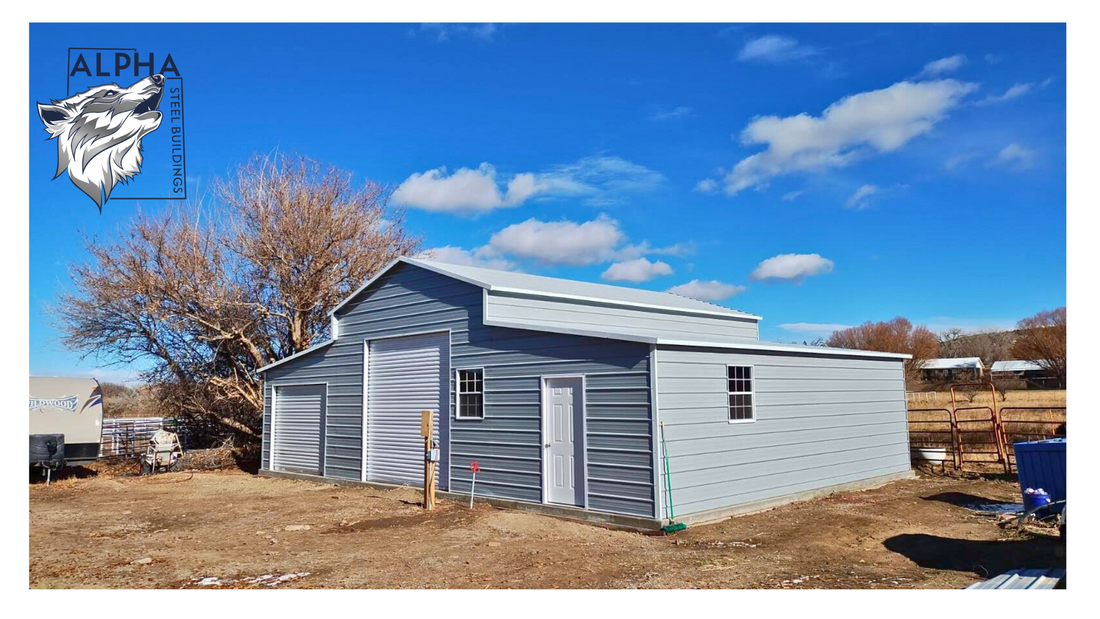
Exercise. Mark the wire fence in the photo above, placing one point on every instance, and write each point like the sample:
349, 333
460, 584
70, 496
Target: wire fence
980, 434
125, 437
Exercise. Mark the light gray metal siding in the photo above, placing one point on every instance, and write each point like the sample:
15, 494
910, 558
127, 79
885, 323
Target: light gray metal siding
508, 442
405, 375
593, 316
820, 421
298, 428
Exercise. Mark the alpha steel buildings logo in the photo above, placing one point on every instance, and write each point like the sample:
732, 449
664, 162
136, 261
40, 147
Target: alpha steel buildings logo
105, 132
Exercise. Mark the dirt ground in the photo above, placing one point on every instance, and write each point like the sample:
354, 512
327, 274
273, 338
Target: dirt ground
237, 530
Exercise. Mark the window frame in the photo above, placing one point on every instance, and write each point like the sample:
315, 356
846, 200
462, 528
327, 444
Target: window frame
459, 393
751, 393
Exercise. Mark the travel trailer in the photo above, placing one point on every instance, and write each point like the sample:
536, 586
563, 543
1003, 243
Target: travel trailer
66, 421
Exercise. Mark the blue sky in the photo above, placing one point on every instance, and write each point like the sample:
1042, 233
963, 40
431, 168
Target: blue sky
817, 175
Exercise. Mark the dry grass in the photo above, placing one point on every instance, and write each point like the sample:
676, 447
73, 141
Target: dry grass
929, 428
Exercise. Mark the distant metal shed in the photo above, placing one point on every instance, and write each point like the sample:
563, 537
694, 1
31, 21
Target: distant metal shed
558, 389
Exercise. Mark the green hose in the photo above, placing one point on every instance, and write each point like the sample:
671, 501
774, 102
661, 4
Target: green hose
672, 526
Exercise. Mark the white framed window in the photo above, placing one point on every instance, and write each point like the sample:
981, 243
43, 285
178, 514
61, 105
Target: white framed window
739, 381
469, 385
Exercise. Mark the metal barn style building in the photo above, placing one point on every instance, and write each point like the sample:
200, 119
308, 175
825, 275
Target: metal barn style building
559, 389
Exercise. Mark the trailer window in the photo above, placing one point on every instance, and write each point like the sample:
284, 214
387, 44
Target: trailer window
740, 387
471, 404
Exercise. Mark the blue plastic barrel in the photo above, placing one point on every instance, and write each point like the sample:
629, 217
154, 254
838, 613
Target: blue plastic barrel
1035, 498
1042, 464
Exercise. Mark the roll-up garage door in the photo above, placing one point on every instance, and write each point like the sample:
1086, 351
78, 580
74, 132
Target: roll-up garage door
405, 376
299, 429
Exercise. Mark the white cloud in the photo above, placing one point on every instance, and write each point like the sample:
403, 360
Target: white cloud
464, 191
444, 32
707, 290
959, 159
861, 198
992, 58
1016, 90
1015, 156
775, 48
561, 242
638, 270
791, 267
663, 112
791, 196
598, 180
707, 185
813, 327
942, 66
485, 257
859, 125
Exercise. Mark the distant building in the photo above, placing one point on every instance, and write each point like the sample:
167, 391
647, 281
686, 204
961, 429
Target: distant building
1031, 372
956, 370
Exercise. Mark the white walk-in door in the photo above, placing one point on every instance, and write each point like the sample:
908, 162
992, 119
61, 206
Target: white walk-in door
299, 429
564, 408
405, 375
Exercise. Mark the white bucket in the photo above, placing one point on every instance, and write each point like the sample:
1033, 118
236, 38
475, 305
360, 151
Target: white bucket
930, 454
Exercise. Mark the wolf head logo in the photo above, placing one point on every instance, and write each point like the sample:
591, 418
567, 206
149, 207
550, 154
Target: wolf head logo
99, 133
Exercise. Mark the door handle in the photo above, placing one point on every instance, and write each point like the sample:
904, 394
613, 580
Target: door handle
548, 445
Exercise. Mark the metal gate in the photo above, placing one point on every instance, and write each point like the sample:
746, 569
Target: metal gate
299, 429
405, 375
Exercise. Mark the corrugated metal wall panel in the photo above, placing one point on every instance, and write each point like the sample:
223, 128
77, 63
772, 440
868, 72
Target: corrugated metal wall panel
563, 314
820, 421
410, 299
298, 429
405, 376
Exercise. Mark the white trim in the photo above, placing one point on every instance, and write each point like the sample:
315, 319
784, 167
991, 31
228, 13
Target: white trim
366, 395
543, 432
324, 418
824, 351
410, 334
524, 292
295, 356
658, 497
447, 372
458, 394
751, 393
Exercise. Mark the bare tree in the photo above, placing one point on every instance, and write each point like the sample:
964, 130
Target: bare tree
897, 335
989, 345
209, 295
1042, 338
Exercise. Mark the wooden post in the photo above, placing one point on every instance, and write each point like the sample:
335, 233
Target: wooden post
426, 432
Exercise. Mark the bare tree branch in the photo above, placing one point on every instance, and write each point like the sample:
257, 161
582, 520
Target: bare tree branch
210, 294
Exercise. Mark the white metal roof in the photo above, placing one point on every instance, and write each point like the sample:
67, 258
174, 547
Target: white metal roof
959, 363
523, 283
506, 282
1015, 366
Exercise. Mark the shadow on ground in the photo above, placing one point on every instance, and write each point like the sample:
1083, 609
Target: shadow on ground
984, 558
961, 499
38, 475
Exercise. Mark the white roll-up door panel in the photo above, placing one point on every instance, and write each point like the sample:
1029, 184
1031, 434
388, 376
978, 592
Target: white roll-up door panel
405, 376
299, 426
